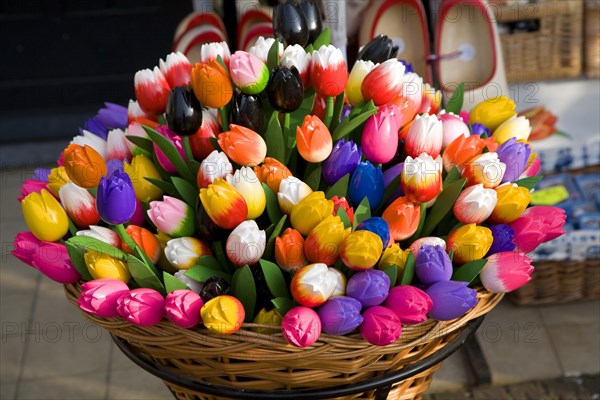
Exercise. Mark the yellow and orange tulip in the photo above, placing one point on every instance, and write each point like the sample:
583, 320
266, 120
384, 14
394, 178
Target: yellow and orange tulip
243, 146
84, 165
512, 201
44, 216
461, 150
272, 172
469, 242
323, 243
211, 84
313, 209
223, 204
289, 251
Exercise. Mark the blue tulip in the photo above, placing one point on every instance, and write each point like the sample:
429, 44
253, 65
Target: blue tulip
378, 226
479, 129
503, 239
113, 165
433, 265
451, 299
366, 181
115, 198
516, 156
344, 159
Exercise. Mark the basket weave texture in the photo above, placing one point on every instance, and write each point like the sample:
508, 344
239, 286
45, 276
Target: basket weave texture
560, 282
252, 360
552, 52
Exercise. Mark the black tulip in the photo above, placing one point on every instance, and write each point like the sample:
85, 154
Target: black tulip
184, 112
285, 89
247, 111
378, 50
312, 15
289, 24
214, 287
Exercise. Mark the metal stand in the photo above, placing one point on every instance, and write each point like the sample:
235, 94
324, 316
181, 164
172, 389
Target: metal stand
381, 384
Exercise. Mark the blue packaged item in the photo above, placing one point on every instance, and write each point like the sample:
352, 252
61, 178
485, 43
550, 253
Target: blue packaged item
589, 221
588, 184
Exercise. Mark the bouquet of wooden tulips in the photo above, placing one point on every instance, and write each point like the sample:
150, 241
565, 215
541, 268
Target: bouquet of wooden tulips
273, 186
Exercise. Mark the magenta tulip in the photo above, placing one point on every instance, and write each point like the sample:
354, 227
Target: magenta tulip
380, 135
161, 157
99, 297
182, 307
537, 225
142, 307
506, 271
32, 186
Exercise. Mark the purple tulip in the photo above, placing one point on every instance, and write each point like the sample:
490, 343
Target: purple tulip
115, 198
370, 287
366, 181
182, 308
479, 129
112, 116
516, 156
142, 307
51, 259
503, 239
99, 297
41, 174
378, 226
114, 165
340, 315
344, 159
451, 299
162, 159
433, 265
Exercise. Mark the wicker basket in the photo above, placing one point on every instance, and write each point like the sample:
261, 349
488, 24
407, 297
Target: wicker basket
592, 38
552, 52
556, 282
252, 360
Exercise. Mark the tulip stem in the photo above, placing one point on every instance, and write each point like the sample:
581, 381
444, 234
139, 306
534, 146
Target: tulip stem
125, 237
286, 129
72, 228
224, 118
329, 110
187, 148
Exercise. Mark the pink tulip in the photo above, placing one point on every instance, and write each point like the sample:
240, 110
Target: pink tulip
139, 216
384, 83
142, 307
32, 186
99, 297
182, 307
380, 135
161, 157
475, 204
51, 259
177, 69
248, 72
452, 127
533, 169
117, 145
424, 136
506, 271
537, 225
411, 304
172, 216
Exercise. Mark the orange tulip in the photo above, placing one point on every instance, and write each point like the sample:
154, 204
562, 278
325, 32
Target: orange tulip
461, 150
289, 251
145, 241
211, 84
243, 146
313, 139
84, 165
272, 172
403, 217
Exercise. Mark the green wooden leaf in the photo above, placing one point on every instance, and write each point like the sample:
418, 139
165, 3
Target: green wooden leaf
275, 280
348, 125
392, 273
530, 182
362, 212
274, 138
195, 166
313, 179
453, 176
165, 186
297, 117
243, 288
417, 233
201, 274
337, 111
141, 142
344, 217
273, 210
324, 39
409, 269
140, 254
340, 188
171, 153
210, 262
172, 283
97, 245
218, 252
273, 56
456, 101
283, 304
271, 242
215, 143
220, 61
186, 190
76, 255
469, 271
443, 205
143, 274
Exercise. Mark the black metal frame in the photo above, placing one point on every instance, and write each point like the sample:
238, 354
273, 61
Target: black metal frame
381, 384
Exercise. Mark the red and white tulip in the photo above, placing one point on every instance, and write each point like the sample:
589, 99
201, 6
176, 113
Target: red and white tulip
151, 90
424, 136
177, 69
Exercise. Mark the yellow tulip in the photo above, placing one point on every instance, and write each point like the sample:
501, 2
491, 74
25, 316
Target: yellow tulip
393, 255
493, 112
360, 250
310, 211
142, 167
44, 216
58, 178
359, 71
469, 242
517, 127
512, 201
104, 266
264, 317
